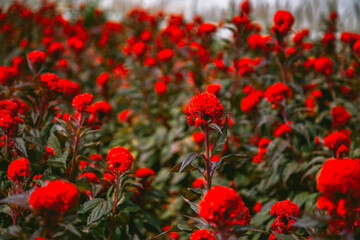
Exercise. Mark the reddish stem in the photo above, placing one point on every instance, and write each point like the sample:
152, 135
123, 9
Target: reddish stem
208, 160
112, 222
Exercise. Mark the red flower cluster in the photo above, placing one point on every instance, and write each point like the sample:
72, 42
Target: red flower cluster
9, 120
340, 117
339, 183
323, 65
144, 173
91, 177
202, 234
57, 196
282, 129
99, 112
119, 159
103, 79
283, 21
338, 142
283, 211
223, 207
213, 88
82, 101
124, 115
277, 92
36, 59
249, 103
198, 137
199, 183
262, 145
203, 108
172, 235
18, 170
160, 87
165, 55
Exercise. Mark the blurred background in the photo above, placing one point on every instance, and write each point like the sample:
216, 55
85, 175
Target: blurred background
308, 13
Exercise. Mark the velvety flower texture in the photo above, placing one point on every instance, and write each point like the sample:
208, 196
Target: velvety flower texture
283, 21
277, 92
202, 234
57, 196
339, 183
223, 207
119, 159
36, 59
203, 108
338, 142
283, 211
18, 170
340, 116
82, 101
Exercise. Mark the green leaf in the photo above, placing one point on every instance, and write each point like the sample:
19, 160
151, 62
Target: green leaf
193, 206
54, 143
227, 159
90, 205
215, 127
100, 210
218, 146
21, 200
188, 159
20, 145
283, 236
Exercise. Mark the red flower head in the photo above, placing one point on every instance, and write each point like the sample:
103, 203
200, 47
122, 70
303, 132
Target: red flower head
165, 55
257, 41
205, 107
283, 211
55, 48
109, 179
102, 79
249, 103
144, 173
282, 129
206, 28
199, 183
340, 116
202, 234
82, 101
262, 145
160, 87
36, 59
96, 157
57, 196
310, 104
50, 151
328, 38
69, 88
51, 82
99, 112
223, 207
323, 65
76, 44
91, 177
277, 92
257, 207
124, 115
245, 7
213, 88
356, 47
18, 170
119, 159
338, 142
138, 48
283, 21
172, 235
198, 137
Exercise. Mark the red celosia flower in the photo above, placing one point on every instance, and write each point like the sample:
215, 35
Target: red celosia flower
165, 55
99, 112
199, 183
338, 142
245, 7
249, 103
328, 38
246, 65
310, 104
262, 145
103, 79
108, 179
91, 177
51, 82
283, 211
77, 44
150, 61
282, 129
340, 116
206, 28
96, 157
138, 48
68, 88
283, 21
124, 115
356, 47
57, 196
204, 107
339, 183
55, 48
50, 151
213, 88
277, 92
160, 87
18, 170
257, 207
119, 159
299, 37
36, 59
223, 207
198, 137
202, 234
257, 41
82, 101
323, 65
144, 173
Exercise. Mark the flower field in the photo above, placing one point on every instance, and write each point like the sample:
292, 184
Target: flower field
155, 127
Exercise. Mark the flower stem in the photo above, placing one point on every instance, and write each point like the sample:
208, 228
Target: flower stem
208, 160
112, 222
76, 146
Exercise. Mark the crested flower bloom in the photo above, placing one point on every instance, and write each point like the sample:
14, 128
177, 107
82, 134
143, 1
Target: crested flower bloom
9, 120
198, 137
119, 159
91, 177
57, 196
277, 92
18, 170
283, 211
203, 108
144, 173
262, 145
223, 207
199, 183
102, 79
165, 55
99, 112
36, 59
340, 117
282, 129
323, 65
124, 115
82, 101
249, 103
339, 183
202, 234
283, 21
213, 88
160, 87
338, 142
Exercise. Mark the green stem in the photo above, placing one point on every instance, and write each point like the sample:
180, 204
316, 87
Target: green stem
208, 160
112, 222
